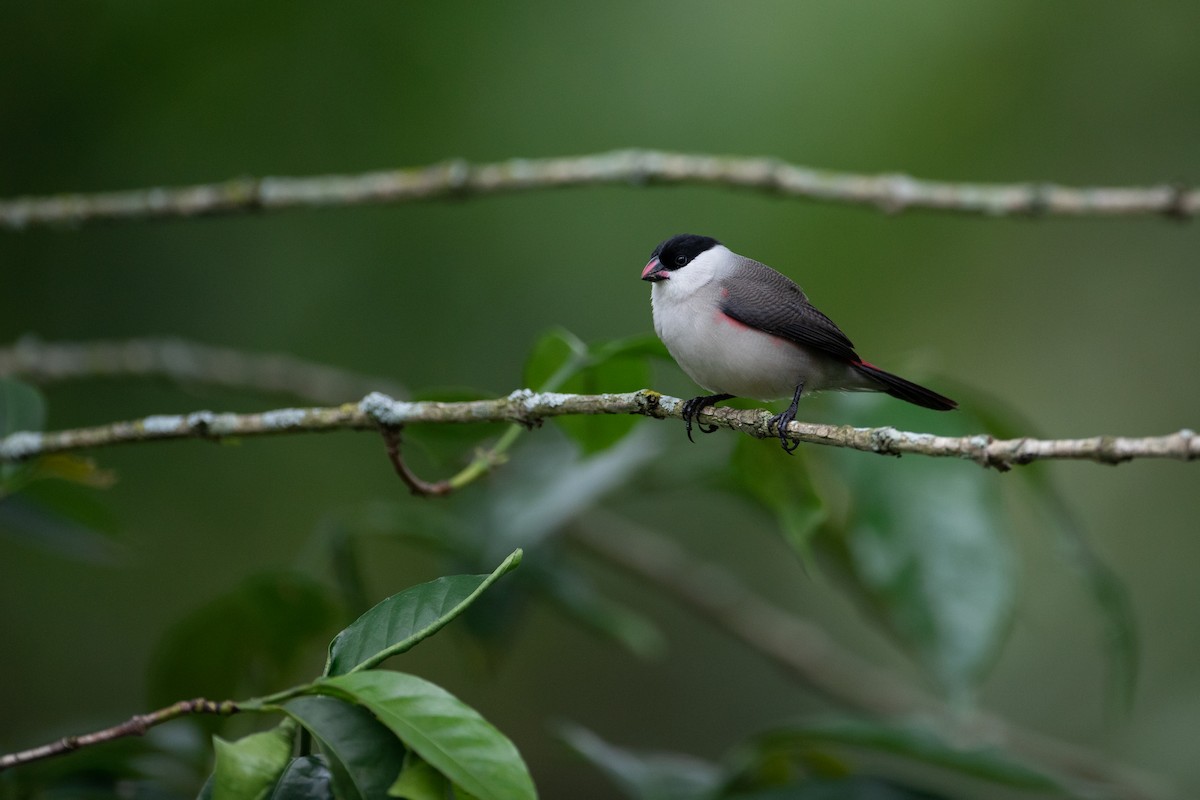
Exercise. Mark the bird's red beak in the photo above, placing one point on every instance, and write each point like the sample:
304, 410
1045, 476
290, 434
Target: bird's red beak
654, 271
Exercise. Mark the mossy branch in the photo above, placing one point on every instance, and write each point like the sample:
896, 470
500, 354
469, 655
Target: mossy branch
458, 179
377, 411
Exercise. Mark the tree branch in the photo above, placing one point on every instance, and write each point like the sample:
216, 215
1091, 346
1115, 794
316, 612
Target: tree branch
415, 484
529, 408
134, 726
49, 362
459, 179
806, 653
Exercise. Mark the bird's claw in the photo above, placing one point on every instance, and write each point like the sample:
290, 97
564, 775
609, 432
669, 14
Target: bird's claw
784, 418
691, 413
781, 421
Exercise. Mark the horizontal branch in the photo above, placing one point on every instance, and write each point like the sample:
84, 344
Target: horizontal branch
460, 179
189, 362
376, 411
134, 726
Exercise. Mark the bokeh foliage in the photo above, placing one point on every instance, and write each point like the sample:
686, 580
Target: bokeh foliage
1083, 326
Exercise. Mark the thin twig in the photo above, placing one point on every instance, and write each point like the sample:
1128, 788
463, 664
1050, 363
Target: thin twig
809, 655
134, 726
422, 488
458, 179
529, 408
189, 362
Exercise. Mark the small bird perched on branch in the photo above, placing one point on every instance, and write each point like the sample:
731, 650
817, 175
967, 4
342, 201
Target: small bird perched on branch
740, 329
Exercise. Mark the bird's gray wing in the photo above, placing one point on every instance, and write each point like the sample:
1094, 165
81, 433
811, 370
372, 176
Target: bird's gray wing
758, 296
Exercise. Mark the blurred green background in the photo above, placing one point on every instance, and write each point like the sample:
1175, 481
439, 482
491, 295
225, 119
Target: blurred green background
1082, 326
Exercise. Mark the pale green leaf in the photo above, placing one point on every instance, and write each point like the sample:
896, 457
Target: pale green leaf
249, 768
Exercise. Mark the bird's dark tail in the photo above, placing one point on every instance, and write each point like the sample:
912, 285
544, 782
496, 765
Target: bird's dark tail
906, 390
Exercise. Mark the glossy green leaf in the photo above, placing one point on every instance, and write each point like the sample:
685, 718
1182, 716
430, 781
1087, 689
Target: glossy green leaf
910, 741
646, 776
451, 736
419, 781
257, 632
364, 756
306, 778
782, 484
407, 618
925, 546
249, 768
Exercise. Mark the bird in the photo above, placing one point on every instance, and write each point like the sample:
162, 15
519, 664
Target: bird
739, 328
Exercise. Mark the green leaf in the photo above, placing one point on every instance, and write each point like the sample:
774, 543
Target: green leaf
924, 545
561, 362
250, 767
646, 776
441, 729
244, 642
783, 485
596, 432
364, 756
419, 781
407, 618
911, 741
306, 778
646, 345
556, 356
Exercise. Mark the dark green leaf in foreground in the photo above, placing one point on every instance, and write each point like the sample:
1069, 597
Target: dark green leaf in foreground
405, 619
306, 778
911, 741
445, 732
646, 776
250, 767
364, 756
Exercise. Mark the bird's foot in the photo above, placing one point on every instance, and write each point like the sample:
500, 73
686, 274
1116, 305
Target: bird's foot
784, 418
692, 409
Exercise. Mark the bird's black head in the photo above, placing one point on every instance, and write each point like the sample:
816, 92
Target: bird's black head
676, 252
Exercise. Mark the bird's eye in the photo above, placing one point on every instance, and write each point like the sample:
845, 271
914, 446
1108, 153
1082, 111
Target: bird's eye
680, 260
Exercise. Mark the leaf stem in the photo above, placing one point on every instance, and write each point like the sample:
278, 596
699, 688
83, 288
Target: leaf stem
134, 726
